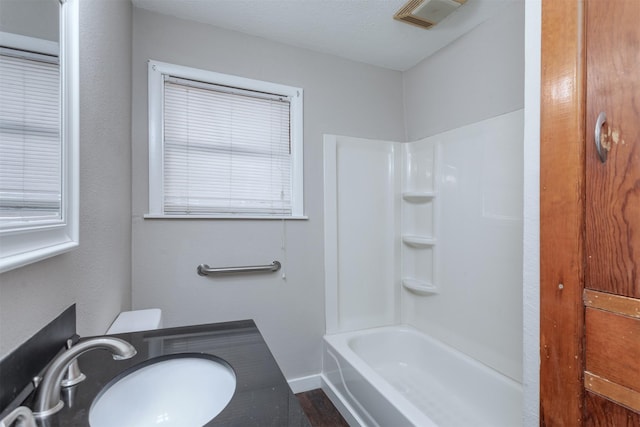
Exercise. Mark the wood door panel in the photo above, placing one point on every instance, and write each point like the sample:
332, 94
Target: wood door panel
613, 188
604, 413
613, 347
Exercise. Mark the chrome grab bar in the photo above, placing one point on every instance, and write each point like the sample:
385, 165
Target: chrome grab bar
205, 270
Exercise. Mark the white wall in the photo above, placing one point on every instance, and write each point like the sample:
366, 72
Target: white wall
341, 97
531, 235
96, 275
478, 76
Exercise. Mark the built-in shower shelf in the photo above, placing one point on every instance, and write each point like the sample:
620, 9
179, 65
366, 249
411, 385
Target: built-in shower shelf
419, 286
418, 196
418, 241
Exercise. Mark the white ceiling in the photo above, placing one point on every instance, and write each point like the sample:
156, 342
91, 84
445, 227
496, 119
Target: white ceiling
361, 30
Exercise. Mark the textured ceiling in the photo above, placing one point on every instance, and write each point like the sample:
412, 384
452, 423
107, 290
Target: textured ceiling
361, 30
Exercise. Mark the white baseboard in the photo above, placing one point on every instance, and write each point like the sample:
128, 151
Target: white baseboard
301, 384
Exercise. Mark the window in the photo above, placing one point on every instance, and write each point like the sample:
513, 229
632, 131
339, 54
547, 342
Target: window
223, 146
30, 149
38, 144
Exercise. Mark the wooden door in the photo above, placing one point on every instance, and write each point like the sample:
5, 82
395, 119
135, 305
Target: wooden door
612, 279
590, 214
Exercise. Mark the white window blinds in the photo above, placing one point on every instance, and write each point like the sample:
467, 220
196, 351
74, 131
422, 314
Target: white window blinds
30, 144
226, 150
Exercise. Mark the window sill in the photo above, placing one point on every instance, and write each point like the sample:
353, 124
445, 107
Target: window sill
160, 216
11, 262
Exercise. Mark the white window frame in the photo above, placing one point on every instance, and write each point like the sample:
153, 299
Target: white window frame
157, 71
24, 245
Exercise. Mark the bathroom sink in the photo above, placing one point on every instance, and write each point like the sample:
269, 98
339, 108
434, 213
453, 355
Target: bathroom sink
177, 390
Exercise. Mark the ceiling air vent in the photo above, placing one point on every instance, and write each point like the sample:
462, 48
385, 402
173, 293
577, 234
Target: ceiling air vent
427, 13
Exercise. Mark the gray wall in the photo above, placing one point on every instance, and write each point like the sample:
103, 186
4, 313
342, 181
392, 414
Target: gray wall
96, 275
341, 97
478, 76
35, 18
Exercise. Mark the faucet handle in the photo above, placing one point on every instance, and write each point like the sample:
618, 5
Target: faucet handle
73, 375
22, 416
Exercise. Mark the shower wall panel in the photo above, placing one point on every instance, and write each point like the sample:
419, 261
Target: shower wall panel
478, 307
362, 220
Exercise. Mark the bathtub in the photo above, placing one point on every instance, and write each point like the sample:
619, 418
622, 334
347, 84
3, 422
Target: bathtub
397, 376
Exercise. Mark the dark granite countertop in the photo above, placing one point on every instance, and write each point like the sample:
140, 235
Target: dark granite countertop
262, 396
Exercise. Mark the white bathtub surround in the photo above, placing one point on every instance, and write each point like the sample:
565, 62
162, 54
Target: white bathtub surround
428, 234
397, 376
361, 232
478, 309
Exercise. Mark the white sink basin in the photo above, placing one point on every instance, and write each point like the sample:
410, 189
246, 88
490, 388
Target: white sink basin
179, 391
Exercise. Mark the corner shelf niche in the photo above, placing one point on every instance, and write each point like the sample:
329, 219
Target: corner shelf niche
419, 287
420, 204
418, 241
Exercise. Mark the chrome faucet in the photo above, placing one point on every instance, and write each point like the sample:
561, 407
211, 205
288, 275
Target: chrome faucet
47, 400
22, 416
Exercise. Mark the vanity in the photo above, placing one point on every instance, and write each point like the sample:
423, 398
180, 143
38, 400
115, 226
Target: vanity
262, 396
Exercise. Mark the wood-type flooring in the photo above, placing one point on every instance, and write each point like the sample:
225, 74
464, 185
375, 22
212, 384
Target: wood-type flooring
320, 410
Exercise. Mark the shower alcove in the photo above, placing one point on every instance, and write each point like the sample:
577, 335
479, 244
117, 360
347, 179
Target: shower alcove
423, 242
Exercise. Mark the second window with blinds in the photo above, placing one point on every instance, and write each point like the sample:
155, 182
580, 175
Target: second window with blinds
223, 146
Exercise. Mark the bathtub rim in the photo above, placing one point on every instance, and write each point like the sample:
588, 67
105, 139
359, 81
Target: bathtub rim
404, 327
